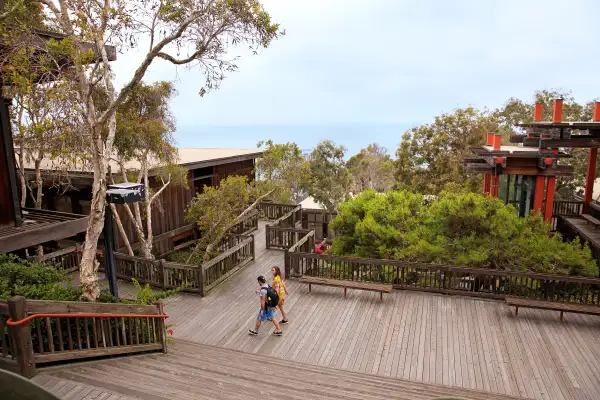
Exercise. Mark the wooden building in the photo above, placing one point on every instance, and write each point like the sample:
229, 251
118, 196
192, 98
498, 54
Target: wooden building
70, 190
21, 228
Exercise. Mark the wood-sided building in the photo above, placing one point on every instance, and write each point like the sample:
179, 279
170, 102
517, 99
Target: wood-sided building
22, 227
70, 190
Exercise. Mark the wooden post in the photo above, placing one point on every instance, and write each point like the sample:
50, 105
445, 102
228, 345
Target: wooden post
161, 327
21, 336
252, 249
267, 229
550, 198
163, 271
286, 264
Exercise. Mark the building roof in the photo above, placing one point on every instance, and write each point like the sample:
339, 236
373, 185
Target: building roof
190, 158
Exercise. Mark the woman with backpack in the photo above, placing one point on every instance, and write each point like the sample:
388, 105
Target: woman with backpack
279, 286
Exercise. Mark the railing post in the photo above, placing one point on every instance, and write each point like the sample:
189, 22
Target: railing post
252, 249
161, 326
163, 271
267, 236
286, 263
21, 336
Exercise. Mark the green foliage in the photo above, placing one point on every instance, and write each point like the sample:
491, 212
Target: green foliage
330, 181
284, 169
145, 294
430, 156
216, 209
372, 168
460, 228
19, 277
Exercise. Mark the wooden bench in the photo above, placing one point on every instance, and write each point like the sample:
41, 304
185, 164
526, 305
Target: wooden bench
372, 287
552, 305
591, 220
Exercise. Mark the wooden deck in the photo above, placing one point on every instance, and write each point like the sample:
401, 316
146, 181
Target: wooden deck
198, 372
442, 340
585, 229
423, 341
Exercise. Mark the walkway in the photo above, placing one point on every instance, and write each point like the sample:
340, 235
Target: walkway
197, 372
441, 340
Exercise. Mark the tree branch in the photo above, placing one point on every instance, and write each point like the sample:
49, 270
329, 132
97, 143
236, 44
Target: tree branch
139, 73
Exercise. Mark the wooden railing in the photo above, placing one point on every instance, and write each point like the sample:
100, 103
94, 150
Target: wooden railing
273, 211
567, 207
283, 238
305, 245
248, 225
570, 232
223, 266
319, 221
66, 260
449, 279
51, 331
8, 359
237, 250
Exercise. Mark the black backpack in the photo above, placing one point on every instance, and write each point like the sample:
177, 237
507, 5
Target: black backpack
272, 298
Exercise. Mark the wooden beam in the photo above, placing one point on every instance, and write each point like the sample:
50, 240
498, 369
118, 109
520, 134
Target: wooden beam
32, 236
578, 141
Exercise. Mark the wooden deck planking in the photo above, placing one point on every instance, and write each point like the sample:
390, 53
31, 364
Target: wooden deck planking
193, 372
461, 342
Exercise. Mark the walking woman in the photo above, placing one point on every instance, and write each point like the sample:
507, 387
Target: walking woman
279, 286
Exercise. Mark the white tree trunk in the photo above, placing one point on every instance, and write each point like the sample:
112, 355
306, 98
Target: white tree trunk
121, 229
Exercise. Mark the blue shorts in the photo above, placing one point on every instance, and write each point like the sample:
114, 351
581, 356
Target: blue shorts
267, 314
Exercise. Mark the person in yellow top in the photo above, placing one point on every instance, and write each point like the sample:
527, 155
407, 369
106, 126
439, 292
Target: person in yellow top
279, 286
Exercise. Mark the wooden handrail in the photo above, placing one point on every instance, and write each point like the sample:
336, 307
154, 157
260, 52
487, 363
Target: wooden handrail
10, 322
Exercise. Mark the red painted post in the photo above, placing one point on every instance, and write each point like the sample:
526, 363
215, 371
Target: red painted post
550, 198
486, 183
590, 178
558, 108
538, 197
494, 183
537, 114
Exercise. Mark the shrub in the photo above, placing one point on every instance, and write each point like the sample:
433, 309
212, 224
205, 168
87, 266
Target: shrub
459, 228
19, 277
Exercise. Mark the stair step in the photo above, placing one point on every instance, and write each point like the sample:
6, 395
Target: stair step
195, 371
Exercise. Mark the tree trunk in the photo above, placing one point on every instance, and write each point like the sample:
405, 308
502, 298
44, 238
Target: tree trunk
121, 229
239, 218
88, 271
146, 246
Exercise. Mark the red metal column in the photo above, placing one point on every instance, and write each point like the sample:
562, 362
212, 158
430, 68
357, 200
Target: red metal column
538, 197
487, 178
550, 198
590, 177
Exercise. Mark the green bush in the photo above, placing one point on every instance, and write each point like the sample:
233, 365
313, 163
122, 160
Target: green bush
458, 228
19, 277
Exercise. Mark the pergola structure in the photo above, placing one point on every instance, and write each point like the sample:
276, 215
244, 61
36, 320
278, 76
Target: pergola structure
525, 174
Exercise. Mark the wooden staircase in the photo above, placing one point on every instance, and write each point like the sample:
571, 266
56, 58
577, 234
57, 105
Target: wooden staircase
192, 371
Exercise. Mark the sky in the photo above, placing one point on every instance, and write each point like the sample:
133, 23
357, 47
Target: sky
359, 72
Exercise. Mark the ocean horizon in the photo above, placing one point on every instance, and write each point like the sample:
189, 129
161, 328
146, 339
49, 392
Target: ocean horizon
353, 136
